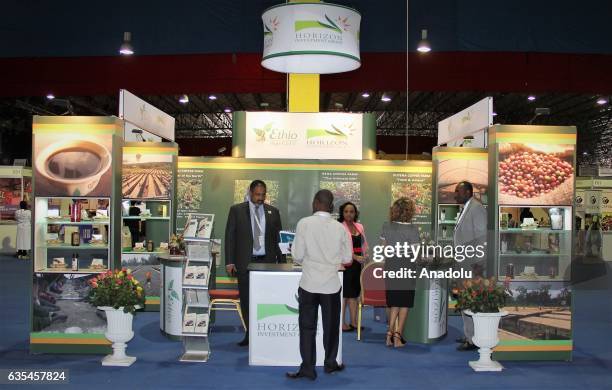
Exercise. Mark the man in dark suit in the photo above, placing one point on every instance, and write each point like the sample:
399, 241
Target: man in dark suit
251, 235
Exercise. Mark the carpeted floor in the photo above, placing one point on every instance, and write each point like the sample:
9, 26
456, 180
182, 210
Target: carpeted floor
369, 364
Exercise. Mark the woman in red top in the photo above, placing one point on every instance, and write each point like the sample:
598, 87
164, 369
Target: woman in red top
351, 276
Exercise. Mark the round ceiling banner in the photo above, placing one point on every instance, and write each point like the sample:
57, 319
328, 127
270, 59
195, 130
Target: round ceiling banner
311, 38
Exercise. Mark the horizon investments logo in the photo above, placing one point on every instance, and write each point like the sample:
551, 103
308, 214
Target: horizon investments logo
333, 30
269, 326
336, 136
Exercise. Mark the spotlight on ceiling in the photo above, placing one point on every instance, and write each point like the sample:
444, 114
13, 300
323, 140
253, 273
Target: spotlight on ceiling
212, 97
494, 114
531, 98
424, 46
126, 47
50, 96
601, 101
365, 95
385, 98
184, 99
227, 110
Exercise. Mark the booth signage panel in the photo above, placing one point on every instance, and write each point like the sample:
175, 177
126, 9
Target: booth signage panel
171, 300
311, 38
274, 337
438, 305
467, 122
145, 116
320, 136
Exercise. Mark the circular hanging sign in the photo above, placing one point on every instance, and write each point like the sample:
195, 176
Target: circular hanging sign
311, 38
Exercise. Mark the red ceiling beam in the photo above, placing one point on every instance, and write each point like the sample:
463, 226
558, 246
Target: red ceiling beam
242, 73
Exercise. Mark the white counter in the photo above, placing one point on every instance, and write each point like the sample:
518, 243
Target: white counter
273, 317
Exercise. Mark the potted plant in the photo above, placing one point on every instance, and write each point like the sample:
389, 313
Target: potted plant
482, 299
119, 294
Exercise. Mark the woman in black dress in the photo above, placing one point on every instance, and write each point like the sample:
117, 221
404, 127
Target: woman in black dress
352, 274
400, 292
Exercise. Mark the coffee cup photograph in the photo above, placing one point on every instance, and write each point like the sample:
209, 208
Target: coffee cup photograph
73, 166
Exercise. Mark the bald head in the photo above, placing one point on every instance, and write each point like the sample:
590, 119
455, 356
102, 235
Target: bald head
323, 201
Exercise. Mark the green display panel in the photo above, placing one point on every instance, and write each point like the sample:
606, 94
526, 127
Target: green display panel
76, 160
531, 201
213, 185
148, 184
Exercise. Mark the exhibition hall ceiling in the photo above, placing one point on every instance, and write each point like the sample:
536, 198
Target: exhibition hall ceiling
205, 117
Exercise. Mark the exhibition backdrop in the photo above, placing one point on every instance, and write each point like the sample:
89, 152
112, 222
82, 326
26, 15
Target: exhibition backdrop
213, 185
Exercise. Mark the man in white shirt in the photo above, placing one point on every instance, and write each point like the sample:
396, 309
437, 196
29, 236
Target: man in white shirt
321, 245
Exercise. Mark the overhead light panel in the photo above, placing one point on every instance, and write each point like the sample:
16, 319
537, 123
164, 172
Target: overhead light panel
385, 99
184, 99
50, 96
424, 46
365, 95
227, 110
212, 97
531, 98
601, 101
126, 47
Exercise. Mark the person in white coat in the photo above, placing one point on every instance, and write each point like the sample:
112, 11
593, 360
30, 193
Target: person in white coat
23, 216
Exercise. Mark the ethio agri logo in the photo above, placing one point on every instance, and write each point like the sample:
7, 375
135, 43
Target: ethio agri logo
339, 25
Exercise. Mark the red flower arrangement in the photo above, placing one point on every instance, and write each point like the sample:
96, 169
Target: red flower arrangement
482, 295
117, 289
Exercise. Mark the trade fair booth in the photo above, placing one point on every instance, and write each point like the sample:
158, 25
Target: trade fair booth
104, 202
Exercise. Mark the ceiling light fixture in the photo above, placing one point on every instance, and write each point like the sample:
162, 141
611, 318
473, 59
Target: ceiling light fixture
212, 97
184, 99
424, 46
365, 95
385, 99
126, 47
227, 110
601, 101
50, 96
531, 98
494, 114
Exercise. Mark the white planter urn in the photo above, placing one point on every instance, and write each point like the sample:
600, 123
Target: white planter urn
119, 332
485, 337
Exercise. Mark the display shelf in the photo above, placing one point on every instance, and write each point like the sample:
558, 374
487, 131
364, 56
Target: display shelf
527, 231
75, 247
189, 334
143, 253
147, 218
196, 301
70, 271
67, 222
523, 254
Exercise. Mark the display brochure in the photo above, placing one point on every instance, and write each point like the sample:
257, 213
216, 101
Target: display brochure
190, 274
201, 323
189, 321
201, 275
199, 226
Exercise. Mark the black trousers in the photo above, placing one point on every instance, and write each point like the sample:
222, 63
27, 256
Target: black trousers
243, 291
330, 311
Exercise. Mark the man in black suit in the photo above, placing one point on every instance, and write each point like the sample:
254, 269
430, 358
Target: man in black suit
251, 235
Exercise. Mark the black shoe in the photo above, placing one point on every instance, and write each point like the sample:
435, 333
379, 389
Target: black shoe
461, 340
300, 374
350, 329
338, 368
355, 328
244, 342
467, 347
